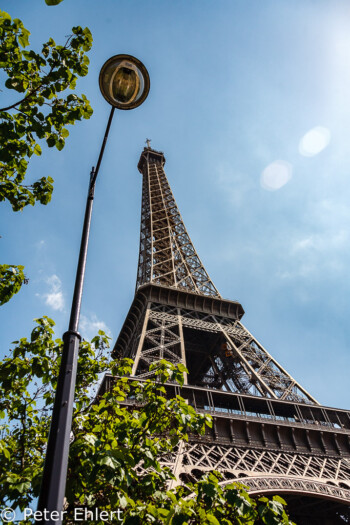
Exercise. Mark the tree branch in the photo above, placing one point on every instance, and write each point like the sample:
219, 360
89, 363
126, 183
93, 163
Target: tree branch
23, 99
55, 64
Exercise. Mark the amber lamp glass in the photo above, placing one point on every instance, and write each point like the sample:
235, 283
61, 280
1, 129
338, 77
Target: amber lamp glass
124, 81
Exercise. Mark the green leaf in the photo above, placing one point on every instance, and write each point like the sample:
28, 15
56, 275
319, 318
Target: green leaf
211, 519
22, 487
109, 462
23, 38
60, 144
11, 279
37, 149
279, 499
53, 2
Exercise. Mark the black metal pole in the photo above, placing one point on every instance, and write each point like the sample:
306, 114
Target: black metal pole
53, 484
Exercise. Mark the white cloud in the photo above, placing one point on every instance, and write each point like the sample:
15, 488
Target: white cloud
303, 244
90, 325
276, 175
329, 241
314, 141
313, 256
234, 183
54, 298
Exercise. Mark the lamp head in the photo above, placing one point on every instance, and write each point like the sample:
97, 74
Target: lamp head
124, 81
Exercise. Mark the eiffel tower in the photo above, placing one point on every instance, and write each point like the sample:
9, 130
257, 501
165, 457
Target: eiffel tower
268, 432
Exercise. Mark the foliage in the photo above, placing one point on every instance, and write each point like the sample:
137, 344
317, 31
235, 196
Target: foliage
206, 502
11, 279
53, 2
43, 110
42, 113
117, 455
28, 378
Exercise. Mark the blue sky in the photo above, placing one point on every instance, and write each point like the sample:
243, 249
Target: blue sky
249, 101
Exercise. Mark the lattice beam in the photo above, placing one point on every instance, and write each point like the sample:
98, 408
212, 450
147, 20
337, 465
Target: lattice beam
231, 358
167, 255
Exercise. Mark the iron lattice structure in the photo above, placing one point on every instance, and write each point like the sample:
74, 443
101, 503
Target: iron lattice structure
268, 431
167, 255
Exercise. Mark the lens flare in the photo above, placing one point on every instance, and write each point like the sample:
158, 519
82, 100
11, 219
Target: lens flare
314, 141
276, 175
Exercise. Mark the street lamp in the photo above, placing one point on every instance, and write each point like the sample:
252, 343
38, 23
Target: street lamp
124, 83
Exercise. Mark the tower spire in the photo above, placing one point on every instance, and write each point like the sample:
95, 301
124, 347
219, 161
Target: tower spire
167, 255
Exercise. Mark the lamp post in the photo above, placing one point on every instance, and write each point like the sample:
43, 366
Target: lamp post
124, 83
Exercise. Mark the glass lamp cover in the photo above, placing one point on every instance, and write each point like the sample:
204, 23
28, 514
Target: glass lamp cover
124, 81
